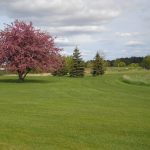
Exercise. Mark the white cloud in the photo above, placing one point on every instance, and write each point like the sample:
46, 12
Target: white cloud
91, 24
127, 34
73, 30
61, 12
134, 43
75, 40
63, 42
82, 39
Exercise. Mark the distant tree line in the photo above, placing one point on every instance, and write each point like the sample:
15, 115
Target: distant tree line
127, 61
122, 62
130, 62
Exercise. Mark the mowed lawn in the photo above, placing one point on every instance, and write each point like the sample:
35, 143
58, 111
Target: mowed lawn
62, 113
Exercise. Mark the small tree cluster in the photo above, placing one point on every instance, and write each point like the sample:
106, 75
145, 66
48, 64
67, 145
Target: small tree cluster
119, 63
61, 70
74, 65
134, 65
66, 66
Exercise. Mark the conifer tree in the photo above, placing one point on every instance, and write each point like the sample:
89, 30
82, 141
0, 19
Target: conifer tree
98, 65
77, 69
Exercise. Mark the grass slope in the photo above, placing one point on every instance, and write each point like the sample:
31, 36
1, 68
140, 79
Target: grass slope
50, 113
139, 79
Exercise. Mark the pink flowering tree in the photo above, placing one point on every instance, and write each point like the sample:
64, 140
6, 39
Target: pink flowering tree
23, 48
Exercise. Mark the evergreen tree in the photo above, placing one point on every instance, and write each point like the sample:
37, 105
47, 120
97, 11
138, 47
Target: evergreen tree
98, 65
77, 69
68, 63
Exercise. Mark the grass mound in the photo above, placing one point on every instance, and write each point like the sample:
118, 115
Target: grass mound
137, 79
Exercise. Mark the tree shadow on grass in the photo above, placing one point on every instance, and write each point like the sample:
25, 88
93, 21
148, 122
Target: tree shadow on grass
25, 81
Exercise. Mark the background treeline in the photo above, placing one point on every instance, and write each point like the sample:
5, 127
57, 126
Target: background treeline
122, 62
127, 61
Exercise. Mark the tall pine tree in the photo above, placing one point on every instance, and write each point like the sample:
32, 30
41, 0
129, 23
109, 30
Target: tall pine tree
98, 65
77, 64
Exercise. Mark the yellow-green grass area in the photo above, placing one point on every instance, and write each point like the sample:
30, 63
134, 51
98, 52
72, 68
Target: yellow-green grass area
62, 113
116, 70
139, 79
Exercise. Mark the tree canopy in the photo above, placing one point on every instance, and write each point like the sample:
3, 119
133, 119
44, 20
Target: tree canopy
23, 48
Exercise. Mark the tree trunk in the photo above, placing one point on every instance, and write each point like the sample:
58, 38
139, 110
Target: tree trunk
22, 76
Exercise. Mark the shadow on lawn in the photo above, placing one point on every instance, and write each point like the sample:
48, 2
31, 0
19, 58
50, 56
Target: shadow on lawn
25, 81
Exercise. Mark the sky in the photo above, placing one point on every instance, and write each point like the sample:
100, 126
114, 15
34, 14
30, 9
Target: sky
115, 28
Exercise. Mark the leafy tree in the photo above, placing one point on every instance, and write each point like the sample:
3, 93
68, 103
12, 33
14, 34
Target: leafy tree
68, 63
134, 65
98, 65
107, 63
66, 66
77, 69
146, 62
116, 63
121, 64
62, 69
23, 48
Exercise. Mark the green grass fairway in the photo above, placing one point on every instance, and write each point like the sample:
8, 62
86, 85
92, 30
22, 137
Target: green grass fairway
62, 113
